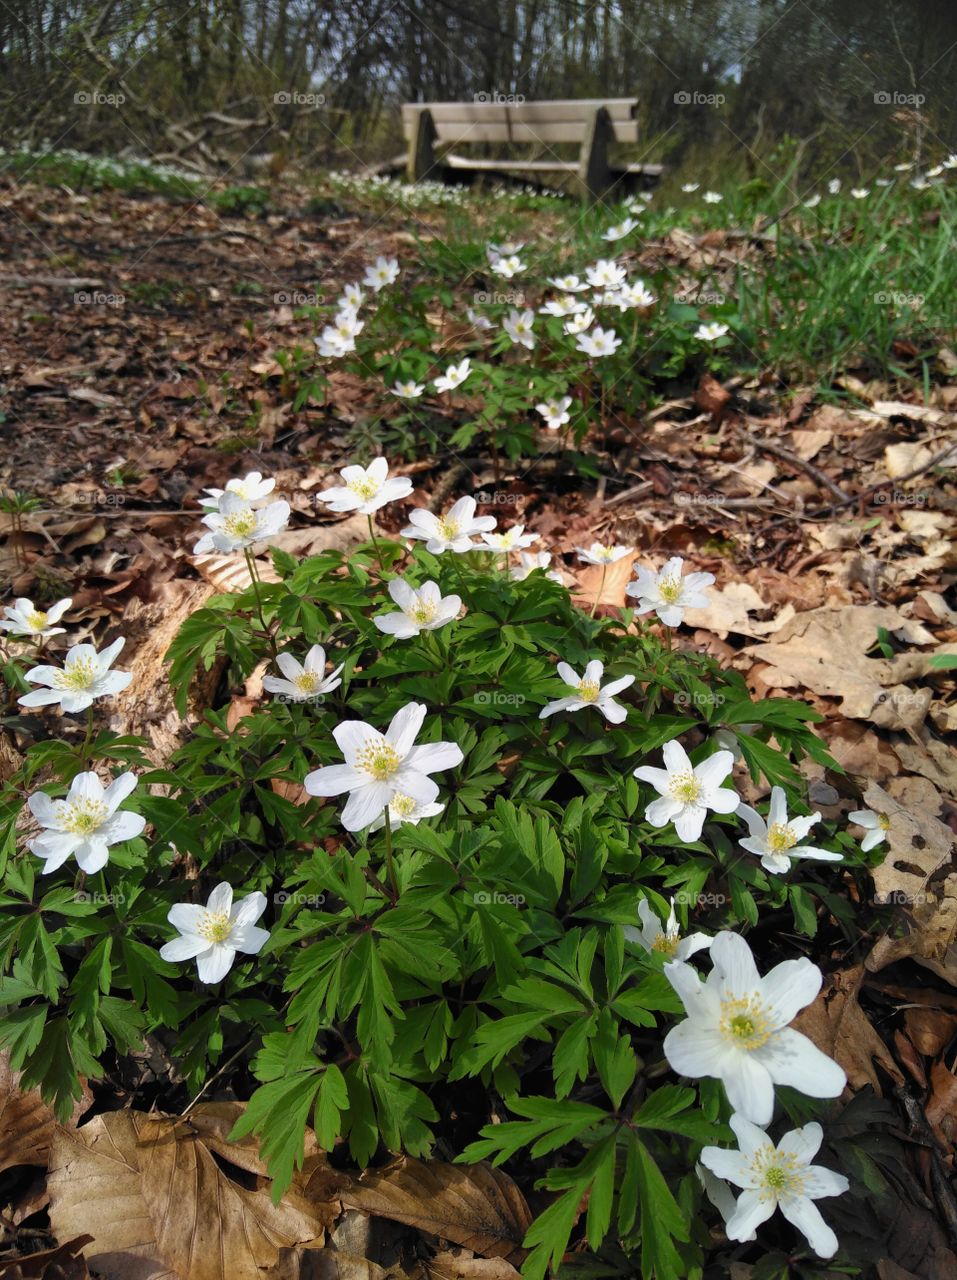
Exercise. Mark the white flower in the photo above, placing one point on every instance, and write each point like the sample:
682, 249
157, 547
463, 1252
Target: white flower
777, 841
338, 339
686, 792
688, 187
236, 525
252, 488
303, 680
477, 321
22, 619
903, 167
504, 250
777, 1177
720, 1195
385, 271
598, 553
405, 809
566, 305
712, 197
668, 593
410, 390
454, 376
860, 193
366, 489
600, 342
352, 297
214, 933
605, 274
620, 231
935, 172
665, 941
451, 532
85, 823
85, 675
513, 539
834, 186
876, 826
422, 609
951, 161
568, 284
737, 1029
518, 326
883, 182
632, 295
507, 266
555, 412
919, 183
529, 561
710, 332
380, 766
812, 201
589, 693
579, 323
330, 344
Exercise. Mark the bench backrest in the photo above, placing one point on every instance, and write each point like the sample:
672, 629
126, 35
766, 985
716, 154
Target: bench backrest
564, 120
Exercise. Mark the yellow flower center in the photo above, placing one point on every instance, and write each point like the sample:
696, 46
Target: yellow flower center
781, 837
379, 759
449, 528
82, 817
666, 945
364, 488
670, 590
36, 619
306, 683
884, 822
685, 787
776, 1174
215, 926
79, 675
745, 1023
422, 612
588, 690
240, 524
402, 806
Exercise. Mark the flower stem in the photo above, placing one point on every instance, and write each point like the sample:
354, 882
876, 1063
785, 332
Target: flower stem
88, 740
251, 565
601, 588
375, 543
389, 864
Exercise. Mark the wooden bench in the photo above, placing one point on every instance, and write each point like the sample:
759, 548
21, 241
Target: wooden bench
432, 129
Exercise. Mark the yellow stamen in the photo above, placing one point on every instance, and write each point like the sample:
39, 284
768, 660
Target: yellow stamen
379, 759
781, 837
588, 690
364, 488
37, 619
79, 675
240, 524
745, 1023
685, 787
215, 926
670, 590
777, 1174
402, 806
82, 817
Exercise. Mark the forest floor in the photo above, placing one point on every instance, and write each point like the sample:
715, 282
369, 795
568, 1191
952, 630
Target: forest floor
141, 361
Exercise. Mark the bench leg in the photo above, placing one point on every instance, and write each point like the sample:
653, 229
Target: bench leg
594, 175
421, 161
